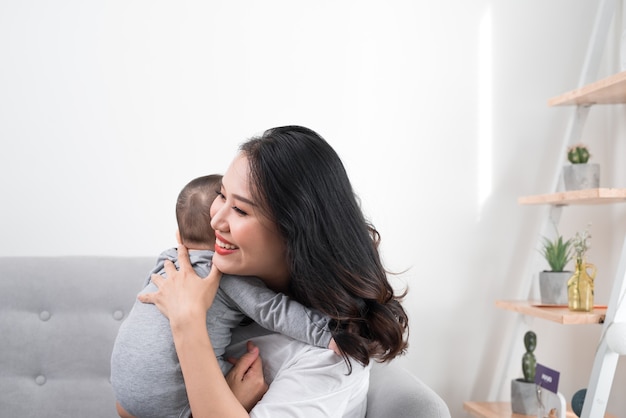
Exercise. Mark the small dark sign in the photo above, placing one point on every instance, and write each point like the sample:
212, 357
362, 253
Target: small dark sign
547, 378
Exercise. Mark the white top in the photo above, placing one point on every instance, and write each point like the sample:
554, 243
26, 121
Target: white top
304, 381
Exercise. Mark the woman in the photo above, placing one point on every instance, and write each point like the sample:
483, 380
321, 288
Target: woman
287, 214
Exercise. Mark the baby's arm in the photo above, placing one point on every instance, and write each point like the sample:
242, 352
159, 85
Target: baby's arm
276, 311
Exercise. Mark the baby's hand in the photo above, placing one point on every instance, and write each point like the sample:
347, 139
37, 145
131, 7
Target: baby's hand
332, 345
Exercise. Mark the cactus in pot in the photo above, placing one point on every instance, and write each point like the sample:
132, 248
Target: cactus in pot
578, 154
524, 390
579, 174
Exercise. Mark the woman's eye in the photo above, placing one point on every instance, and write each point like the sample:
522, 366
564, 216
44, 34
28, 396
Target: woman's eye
239, 211
220, 195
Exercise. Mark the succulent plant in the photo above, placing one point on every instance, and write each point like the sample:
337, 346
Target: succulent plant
578, 154
557, 252
529, 362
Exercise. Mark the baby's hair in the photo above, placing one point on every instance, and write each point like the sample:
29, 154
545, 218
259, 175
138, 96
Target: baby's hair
193, 210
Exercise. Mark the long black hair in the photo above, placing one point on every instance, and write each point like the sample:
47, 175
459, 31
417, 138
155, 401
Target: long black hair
332, 250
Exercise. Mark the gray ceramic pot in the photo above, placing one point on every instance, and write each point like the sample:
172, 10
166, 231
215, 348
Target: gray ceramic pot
553, 287
581, 176
524, 399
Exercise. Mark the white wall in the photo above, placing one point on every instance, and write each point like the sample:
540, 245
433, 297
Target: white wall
437, 108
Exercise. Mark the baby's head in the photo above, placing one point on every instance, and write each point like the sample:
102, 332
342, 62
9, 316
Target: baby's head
193, 209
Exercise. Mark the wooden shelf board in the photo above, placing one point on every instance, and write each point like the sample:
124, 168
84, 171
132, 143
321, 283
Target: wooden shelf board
492, 410
560, 314
609, 90
577, 197
503, 410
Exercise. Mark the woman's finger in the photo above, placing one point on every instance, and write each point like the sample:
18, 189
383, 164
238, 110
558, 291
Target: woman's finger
247, 360
147, 297
255, 370
170, 268
157, 279
215, 275
183, 258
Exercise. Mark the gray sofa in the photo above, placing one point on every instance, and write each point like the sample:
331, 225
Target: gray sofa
59, 317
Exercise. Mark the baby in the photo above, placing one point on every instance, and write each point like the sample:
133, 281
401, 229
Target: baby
145, 373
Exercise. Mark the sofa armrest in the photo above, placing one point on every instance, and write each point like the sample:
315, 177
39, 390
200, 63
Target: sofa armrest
396, 392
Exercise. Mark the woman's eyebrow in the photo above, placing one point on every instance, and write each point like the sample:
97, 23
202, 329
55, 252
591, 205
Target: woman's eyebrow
244, 199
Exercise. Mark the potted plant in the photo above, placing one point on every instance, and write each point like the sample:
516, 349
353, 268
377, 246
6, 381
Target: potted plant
580, 286
524, 399
580, 174
553, 282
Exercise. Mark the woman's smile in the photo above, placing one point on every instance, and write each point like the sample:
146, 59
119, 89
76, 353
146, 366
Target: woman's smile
223, 247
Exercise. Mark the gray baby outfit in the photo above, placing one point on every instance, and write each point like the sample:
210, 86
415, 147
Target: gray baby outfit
145, 373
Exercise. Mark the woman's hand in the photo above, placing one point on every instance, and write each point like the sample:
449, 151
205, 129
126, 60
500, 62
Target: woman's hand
183, 294
246, 378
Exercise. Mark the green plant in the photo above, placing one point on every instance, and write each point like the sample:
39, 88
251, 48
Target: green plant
557, 252
529, 363
578, 154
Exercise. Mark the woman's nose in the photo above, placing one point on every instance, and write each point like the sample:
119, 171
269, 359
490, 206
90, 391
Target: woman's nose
218, 220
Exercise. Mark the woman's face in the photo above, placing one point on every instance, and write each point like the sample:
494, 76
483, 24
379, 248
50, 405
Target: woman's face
247, 242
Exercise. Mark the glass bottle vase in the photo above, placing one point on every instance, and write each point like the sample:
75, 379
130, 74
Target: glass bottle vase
580, 287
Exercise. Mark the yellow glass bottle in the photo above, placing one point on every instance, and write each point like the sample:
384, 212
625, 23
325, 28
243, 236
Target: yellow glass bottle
580, 287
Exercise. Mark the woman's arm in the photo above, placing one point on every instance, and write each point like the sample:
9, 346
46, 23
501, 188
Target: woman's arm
184, 298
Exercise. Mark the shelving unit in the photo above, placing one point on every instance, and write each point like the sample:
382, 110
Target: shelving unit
562, 315
502, 409
577, 197
559, 314
607, 91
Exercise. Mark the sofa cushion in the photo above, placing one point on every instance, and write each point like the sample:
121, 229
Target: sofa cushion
58, 320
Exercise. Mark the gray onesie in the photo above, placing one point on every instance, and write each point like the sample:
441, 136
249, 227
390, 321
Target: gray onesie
145, 373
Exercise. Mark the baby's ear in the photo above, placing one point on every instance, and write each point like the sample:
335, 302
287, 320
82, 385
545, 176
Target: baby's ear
178, 240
